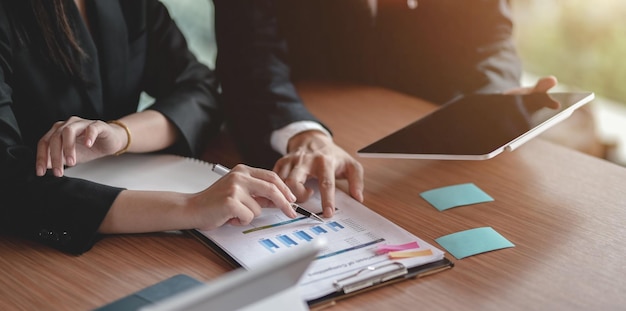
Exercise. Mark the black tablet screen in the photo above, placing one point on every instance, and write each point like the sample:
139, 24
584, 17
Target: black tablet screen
476, 126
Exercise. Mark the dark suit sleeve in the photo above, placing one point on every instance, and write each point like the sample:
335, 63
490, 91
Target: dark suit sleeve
448, 48
257, 92
64, 213
497, 63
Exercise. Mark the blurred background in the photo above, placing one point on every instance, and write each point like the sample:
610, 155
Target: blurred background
582, 43
195, 20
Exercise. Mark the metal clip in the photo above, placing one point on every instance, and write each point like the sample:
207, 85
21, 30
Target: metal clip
370, 276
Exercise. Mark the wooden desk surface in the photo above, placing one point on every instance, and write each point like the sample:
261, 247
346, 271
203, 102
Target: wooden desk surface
564, 211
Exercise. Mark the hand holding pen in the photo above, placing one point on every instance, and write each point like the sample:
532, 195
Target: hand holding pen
222, 171
238, 197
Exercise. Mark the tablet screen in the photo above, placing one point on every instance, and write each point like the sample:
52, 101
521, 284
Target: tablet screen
477, 127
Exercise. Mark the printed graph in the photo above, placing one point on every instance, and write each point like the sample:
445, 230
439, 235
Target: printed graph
346, 237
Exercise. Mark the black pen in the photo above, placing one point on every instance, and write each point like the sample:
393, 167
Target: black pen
222, 170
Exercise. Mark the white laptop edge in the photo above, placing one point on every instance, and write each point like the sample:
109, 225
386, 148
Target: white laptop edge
244, 289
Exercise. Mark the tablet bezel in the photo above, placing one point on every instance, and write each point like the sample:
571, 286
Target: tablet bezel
511, 145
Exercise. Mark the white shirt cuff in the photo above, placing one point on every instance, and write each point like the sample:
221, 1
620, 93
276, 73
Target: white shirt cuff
280, 137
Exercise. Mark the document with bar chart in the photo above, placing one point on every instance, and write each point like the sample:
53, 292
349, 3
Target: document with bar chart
353, 240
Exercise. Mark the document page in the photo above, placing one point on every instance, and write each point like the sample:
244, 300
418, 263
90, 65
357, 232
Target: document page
351, 239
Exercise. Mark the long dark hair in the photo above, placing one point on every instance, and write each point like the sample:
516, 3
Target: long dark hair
46, 21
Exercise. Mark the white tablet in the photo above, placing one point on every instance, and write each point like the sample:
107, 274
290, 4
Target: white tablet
270, 286
478, 127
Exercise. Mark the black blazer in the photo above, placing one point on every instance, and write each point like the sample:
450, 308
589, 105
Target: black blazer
257, 92
135, 47
440, 50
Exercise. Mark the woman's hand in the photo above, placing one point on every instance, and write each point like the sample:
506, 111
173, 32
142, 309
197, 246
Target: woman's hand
77, 140
238, 197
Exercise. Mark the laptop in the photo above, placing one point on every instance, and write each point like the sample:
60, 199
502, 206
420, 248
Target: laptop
272, 285
478, 126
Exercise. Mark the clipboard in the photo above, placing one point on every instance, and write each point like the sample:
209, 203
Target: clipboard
361, 281
358, 238
356, 287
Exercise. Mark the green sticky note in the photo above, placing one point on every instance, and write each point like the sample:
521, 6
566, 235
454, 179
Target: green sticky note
457, 195
474, 241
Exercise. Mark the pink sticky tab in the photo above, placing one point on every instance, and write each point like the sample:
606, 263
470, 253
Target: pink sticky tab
386, 248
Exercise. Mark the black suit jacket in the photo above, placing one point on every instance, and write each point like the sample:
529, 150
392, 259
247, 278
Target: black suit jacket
440, 50
251, 64
135, 47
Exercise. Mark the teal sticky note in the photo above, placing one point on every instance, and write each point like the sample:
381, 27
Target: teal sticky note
473, 241
457, 195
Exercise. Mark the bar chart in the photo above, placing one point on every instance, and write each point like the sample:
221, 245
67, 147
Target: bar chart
346, 234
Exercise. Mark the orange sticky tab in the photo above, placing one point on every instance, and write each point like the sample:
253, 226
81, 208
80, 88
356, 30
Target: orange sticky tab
409, 254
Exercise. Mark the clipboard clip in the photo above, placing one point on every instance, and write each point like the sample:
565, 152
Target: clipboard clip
370, 276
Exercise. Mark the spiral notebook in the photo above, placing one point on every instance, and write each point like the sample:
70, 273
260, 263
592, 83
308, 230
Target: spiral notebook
162, 172
363, 249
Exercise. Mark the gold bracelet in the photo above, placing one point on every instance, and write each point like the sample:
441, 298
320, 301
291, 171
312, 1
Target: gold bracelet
127, 135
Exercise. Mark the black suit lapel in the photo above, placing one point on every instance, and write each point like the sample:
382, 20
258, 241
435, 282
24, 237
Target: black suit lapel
111, 36
89, 85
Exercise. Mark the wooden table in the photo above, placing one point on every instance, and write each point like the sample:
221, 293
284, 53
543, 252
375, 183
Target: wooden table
564, 211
